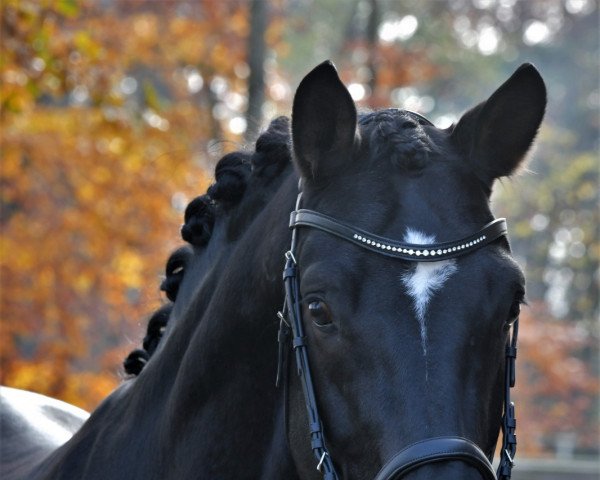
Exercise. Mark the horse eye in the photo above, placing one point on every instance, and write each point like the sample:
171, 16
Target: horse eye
320, 313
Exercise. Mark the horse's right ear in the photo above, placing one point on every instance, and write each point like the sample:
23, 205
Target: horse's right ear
323, 123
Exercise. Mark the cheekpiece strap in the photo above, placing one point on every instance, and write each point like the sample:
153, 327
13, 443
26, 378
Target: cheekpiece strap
392, 248
291, 322
509, 421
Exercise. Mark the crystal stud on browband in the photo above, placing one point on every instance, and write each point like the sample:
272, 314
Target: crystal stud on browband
425, 252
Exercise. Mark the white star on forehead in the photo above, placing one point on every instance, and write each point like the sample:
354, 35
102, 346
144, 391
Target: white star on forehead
426, 278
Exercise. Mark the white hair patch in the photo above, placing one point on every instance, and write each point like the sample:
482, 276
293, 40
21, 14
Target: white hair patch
427, 278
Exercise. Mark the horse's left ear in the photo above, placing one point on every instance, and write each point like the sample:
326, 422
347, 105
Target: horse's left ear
323, 123
497, 133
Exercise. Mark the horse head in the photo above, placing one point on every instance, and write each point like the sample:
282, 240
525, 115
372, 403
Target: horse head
403, 284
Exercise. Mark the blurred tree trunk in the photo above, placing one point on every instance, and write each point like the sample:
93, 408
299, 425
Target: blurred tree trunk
256, 62
215, 142
372, 29
351, 30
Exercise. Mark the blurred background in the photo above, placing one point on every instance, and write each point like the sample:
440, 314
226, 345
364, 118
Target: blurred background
114, 113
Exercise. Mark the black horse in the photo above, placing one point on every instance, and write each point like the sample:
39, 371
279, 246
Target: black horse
398, 298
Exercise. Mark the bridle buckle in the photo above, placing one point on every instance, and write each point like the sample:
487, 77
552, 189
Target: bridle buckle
509, 458
290, 256
282, 319
320, 464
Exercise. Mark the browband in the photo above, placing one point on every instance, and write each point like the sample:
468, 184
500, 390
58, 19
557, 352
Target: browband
392, 248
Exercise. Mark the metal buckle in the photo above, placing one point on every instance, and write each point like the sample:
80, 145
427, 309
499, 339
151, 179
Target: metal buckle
290, 256
510, 459
282, 318
320, 464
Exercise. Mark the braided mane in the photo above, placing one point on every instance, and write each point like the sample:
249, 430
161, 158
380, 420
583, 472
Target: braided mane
244, 183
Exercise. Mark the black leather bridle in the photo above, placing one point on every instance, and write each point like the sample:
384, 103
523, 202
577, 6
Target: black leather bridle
426, 451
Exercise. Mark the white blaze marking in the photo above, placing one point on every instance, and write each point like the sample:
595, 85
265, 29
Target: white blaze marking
427, 278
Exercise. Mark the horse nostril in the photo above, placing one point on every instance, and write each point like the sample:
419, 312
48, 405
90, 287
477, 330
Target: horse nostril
409, 124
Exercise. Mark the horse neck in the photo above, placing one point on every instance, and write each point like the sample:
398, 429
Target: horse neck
204, 265
225, 382
209, 262
232, 219
207, 404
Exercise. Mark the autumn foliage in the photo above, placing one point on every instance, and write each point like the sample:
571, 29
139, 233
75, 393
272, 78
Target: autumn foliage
105, 121
556, 391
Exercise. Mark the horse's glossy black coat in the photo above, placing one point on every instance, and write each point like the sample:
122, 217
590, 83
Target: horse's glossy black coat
388, 370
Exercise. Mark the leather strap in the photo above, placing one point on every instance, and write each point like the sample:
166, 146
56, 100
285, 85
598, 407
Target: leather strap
392, 248
291, 321
436, 449
509, 422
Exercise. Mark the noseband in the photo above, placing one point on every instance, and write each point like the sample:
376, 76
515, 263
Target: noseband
431, 450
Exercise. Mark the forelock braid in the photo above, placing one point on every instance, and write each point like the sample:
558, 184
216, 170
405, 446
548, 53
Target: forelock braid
398, 137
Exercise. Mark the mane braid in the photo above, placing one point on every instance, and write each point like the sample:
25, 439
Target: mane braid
273, 153
135, 362
233, 173
199, 219
156, 328
175, 270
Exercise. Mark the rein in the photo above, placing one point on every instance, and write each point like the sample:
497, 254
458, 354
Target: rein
426, 451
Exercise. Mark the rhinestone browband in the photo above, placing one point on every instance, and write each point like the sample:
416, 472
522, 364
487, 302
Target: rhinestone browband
385, 246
